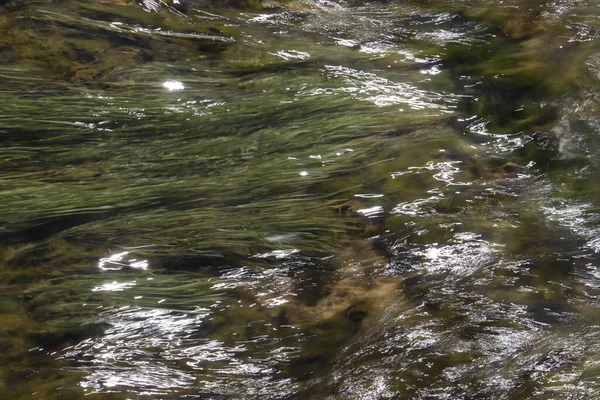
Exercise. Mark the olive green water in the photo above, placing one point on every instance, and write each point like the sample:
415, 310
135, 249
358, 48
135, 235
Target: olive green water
314, 199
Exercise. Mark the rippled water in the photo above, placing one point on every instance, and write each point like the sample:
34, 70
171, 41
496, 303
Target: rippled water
300, 199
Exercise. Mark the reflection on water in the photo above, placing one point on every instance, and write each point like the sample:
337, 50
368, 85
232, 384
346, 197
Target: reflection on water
119, 261
173, 85
382, 92
316, 199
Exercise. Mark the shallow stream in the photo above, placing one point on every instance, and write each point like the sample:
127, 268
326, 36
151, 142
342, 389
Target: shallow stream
300, 199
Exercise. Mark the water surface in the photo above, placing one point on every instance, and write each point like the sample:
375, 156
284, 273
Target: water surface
300, 199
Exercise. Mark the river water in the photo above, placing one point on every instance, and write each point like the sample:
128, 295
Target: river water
312, 199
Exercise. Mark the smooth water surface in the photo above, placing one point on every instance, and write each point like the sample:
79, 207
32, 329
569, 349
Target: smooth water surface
314, 199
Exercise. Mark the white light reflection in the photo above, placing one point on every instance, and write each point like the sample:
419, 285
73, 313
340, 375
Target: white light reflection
445, 171
576, 217
442, 36
282, 237
371, 211
142, 352
291, 54
479, 127
467, 254
173, 85
383, 92
273, 282
194, 108
413, 57
278, 254
275, 302
118, 261
114, 287
345, 42
150, 5
435, 70
419, 207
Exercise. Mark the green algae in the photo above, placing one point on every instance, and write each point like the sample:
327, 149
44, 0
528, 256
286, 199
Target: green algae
107, 43
200, 188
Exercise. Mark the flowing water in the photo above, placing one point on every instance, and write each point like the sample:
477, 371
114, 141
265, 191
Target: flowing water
302, 199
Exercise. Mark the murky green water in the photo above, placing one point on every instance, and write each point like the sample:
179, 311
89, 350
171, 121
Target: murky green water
314, 199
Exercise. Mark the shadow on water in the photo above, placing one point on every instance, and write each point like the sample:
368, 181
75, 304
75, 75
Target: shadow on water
294, 200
